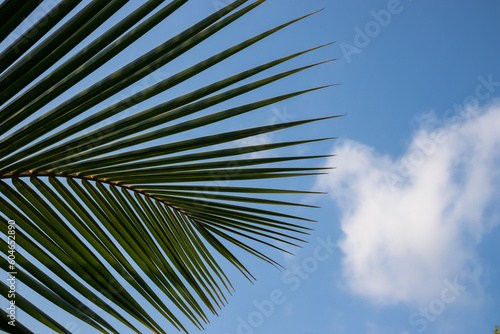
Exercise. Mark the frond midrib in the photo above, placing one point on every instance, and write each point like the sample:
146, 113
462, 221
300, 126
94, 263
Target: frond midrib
77, 176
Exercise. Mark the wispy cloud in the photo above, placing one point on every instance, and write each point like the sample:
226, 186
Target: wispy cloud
411, 222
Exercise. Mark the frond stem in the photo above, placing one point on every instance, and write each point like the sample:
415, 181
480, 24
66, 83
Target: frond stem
95, 179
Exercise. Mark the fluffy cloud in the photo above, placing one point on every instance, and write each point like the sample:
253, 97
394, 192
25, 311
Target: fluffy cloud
412, 222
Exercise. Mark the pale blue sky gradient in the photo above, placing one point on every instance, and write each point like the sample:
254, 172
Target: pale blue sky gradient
399, 74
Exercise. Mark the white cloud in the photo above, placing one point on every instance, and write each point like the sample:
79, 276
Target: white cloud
411, 223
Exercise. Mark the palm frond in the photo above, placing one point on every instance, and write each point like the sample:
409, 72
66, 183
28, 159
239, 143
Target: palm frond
102, 214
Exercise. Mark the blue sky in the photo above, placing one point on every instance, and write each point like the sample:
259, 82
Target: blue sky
407, 237
410, 218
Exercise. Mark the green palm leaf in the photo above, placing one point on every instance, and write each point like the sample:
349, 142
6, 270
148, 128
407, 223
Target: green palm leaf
102, 214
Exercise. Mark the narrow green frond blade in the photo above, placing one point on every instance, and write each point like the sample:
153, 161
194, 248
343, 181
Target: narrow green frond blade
219, 207
220, 197
180, 146
181, 127
107, 220
145, 120
34, 311
4, 323
49, 262
79, 310
124, 77
198, 156
113, 231
221, 189
251, 228
15, 13
112, 131
35, 33
116, 219
120, 176
81, 65
55, 46
248, 234
242, 245
48, 125
220, 248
